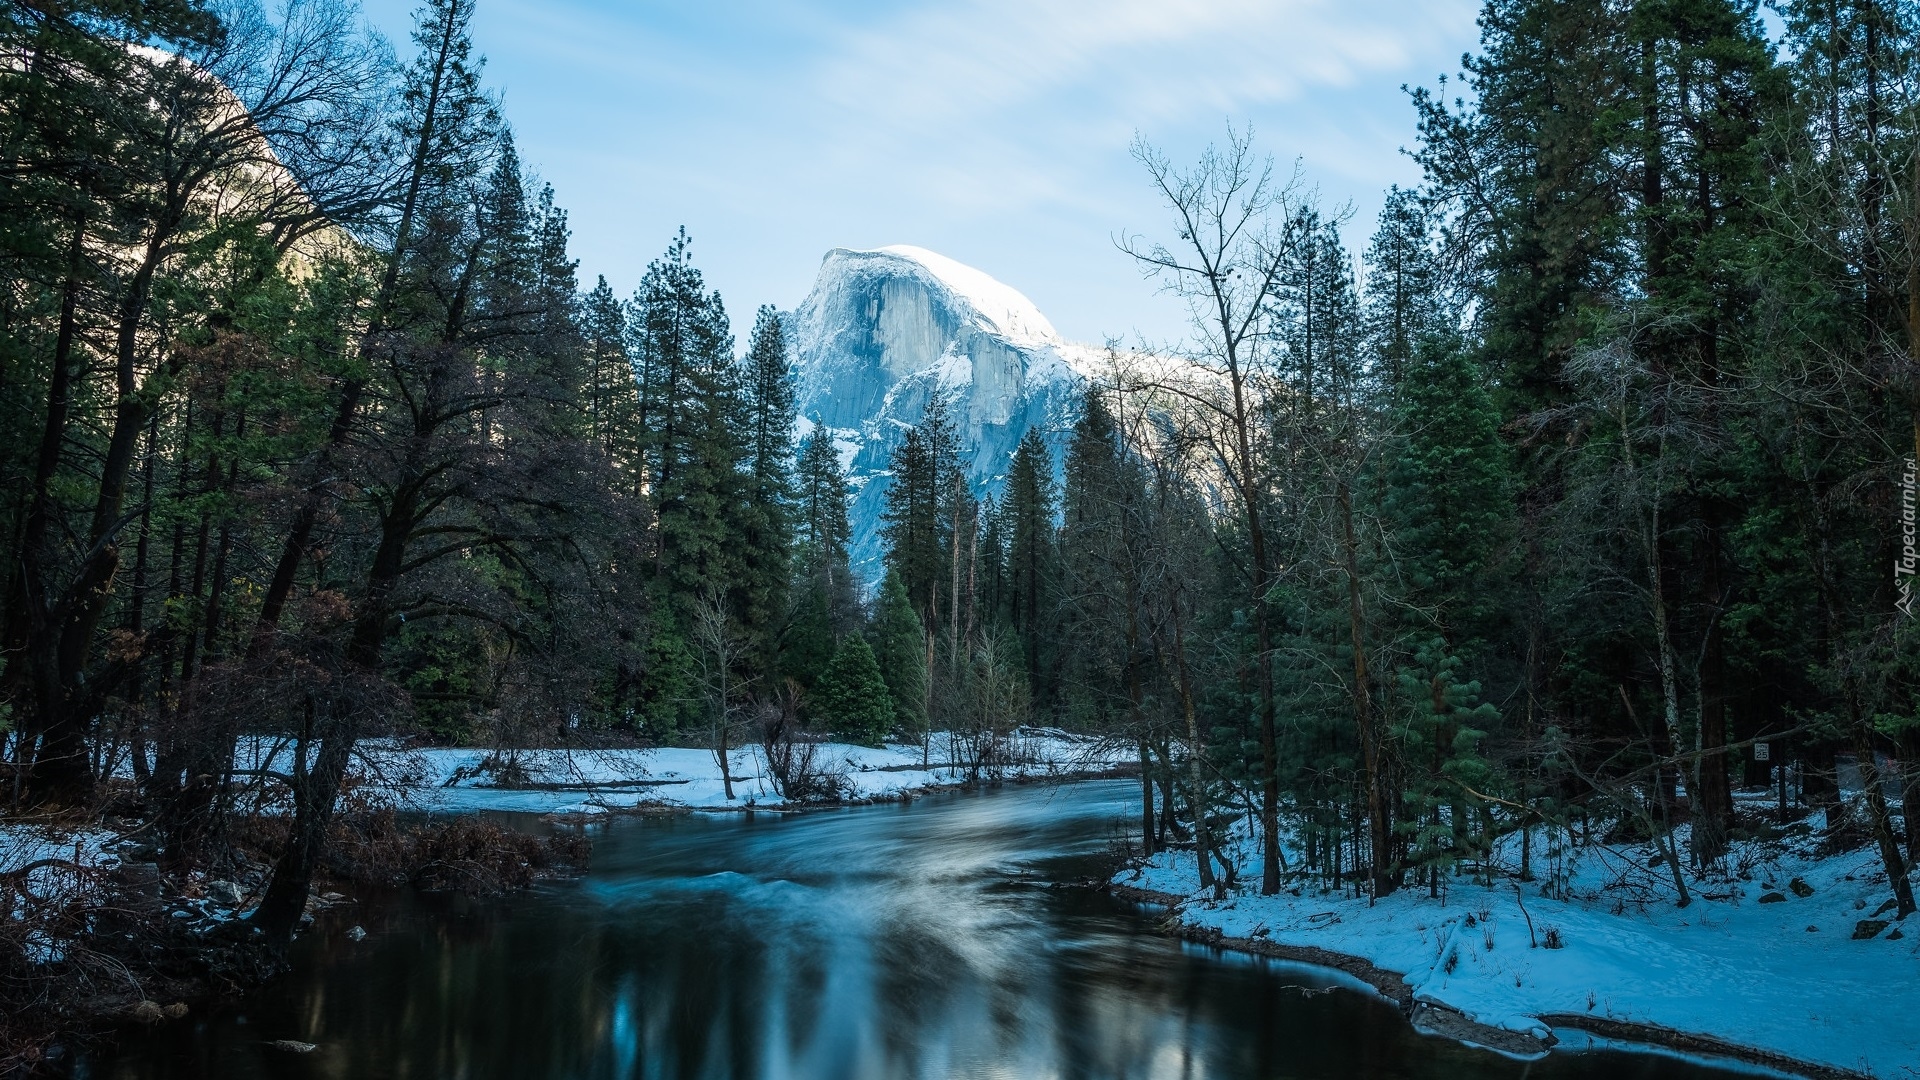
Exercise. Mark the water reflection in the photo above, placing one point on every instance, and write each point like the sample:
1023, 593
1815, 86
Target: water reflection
892, 942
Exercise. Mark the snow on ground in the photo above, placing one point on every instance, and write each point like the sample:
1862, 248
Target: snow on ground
589, 781
22, 845
69, 856
1785, 975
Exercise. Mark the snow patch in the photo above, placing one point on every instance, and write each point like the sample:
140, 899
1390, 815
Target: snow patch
1786, 976
1004, 307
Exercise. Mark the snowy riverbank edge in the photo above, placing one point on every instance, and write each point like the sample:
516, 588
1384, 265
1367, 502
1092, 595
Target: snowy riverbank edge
586, 782
1781, 987
1444, 1021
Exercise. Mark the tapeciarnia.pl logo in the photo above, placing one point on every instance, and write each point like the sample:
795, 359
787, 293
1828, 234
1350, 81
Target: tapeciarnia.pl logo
1905, 566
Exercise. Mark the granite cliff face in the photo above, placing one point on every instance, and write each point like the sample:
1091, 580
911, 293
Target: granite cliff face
882, 330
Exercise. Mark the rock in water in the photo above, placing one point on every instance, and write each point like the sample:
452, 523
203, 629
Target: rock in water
882, 330
293, 1046
1867, 928
1800, 888
356, 934
225, 893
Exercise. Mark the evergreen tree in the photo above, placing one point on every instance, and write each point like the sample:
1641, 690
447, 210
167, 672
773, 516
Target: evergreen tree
822, 529
766, 541
1534, 177
613, 398
853, 699
824, 604
1403, 301
1318, 318
1032, 575
1448, 505
1448, 497
899, 647
693, 424
916, 550
1101, 591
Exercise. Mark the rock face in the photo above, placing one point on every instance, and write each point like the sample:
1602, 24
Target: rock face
882, 330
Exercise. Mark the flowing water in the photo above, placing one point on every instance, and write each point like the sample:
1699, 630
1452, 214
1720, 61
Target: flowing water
922, 941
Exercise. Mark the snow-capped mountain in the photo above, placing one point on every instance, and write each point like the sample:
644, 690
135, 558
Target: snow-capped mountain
883, 329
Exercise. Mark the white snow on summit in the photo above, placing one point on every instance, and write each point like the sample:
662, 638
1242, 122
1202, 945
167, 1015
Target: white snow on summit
1006, 308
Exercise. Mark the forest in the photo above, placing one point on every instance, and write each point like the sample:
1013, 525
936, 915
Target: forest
1580, 496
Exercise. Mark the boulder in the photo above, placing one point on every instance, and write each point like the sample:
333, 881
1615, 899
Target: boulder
1867, 928
1799, 888
1772, 898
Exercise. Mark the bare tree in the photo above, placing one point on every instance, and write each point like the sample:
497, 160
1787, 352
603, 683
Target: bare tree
721, 649
1230, 211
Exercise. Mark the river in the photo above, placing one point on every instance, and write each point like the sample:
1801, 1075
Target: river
920, 941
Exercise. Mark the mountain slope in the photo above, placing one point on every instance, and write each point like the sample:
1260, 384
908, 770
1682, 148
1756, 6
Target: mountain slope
882, 330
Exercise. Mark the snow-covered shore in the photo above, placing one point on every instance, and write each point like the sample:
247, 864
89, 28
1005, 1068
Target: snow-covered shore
596, 781
1766, 959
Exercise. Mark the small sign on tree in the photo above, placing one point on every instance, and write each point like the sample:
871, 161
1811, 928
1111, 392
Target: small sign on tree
1762, 751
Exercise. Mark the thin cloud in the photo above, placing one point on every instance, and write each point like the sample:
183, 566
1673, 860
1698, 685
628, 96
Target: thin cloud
1153, 60
994, 131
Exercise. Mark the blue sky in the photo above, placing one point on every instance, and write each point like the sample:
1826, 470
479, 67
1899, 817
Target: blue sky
992, 131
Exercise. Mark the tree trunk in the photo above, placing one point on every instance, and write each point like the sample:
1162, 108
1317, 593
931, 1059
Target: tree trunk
1379, 829
1202, 830
314, 793
1910, 792
1146, 801
31, 633
1881, 818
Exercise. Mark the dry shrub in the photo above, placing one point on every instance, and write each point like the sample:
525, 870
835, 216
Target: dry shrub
79, 942
795, 764
465, 854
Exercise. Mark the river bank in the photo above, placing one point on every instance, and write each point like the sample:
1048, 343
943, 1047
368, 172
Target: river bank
593, 781
1778, 965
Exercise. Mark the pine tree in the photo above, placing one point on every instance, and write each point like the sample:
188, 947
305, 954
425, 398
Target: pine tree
766, 542
899, 647
1448, 503
912, 523
1537, 183
1403, 301
613, 396
693, 425
1100, 590
853, 699
822, 530
1449, 495
1318, 318
823, 533
1032, 556
824, 605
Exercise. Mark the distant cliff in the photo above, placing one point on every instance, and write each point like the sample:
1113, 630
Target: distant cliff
881, 330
